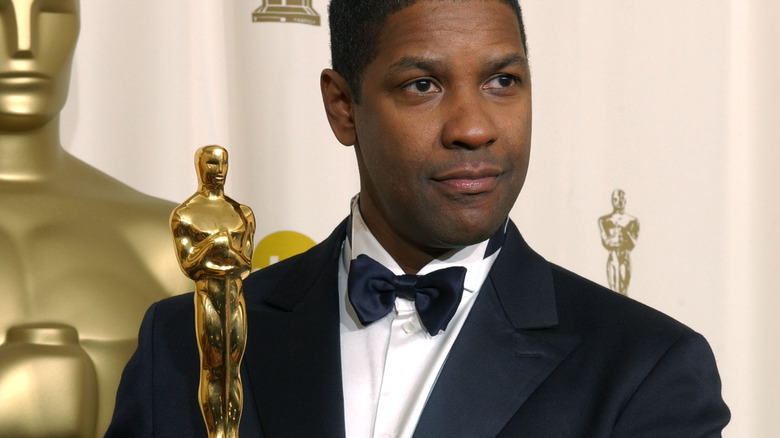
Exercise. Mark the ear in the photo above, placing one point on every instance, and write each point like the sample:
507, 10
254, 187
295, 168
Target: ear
337, 98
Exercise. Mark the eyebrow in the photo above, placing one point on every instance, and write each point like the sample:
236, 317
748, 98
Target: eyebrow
415, 63
427, 64
514, 59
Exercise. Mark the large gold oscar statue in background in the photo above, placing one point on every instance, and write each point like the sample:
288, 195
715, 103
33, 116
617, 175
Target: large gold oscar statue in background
82, 256
213, 238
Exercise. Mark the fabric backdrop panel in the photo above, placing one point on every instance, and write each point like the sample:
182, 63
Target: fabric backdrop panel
155, 81
296, 173
673, 102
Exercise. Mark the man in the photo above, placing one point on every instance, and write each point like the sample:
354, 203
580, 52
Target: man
435, 97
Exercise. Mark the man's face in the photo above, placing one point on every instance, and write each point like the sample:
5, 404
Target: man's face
37, 39
443, 128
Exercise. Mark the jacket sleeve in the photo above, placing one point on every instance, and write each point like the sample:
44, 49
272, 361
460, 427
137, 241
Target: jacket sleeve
679, 397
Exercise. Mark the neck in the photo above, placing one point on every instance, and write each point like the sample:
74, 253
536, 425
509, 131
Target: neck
411, 258
31, 155
211, 191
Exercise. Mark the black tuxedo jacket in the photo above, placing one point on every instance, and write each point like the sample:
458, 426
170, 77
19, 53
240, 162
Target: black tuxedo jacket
543, 353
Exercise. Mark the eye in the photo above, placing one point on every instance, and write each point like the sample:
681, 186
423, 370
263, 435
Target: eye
502, 81
422, 86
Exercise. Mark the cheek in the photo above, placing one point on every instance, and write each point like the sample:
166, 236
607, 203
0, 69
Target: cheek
518, 136
394, 153
518, 156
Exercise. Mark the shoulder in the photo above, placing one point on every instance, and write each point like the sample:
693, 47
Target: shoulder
583, 303
259, 283
285, 283
620, 333
657, 370
170, 315
171, 305
83, 181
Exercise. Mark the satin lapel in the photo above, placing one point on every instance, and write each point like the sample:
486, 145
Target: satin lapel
498, 361
293, 350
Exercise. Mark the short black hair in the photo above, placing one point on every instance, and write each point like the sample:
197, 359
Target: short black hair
354, 34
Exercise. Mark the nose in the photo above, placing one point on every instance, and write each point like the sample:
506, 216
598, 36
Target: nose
24, 29
469, 121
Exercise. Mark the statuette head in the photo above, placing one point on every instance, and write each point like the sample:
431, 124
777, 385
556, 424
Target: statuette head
37, 41
211, 163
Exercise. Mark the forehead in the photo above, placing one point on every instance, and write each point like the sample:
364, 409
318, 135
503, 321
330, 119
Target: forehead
213, 156
430, 25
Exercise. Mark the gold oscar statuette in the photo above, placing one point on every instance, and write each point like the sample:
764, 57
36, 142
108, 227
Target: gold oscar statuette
213, 237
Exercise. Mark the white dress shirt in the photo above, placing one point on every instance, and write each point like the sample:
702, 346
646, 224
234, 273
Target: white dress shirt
390, 366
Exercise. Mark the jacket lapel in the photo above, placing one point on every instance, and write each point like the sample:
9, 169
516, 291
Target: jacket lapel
503, 353
293, 359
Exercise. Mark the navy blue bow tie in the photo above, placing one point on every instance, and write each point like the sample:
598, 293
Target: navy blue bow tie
373, 289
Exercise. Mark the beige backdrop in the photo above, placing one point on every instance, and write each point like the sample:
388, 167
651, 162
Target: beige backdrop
673, 101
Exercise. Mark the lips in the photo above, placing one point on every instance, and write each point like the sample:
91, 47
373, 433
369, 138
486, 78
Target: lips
22, 78
470, 181
20, 74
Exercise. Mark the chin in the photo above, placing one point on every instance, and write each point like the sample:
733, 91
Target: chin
23, 122
465, 233
22, 111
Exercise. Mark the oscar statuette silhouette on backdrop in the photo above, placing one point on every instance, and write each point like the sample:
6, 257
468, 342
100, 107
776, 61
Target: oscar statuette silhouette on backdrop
619, 233
82, 256
213, 236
